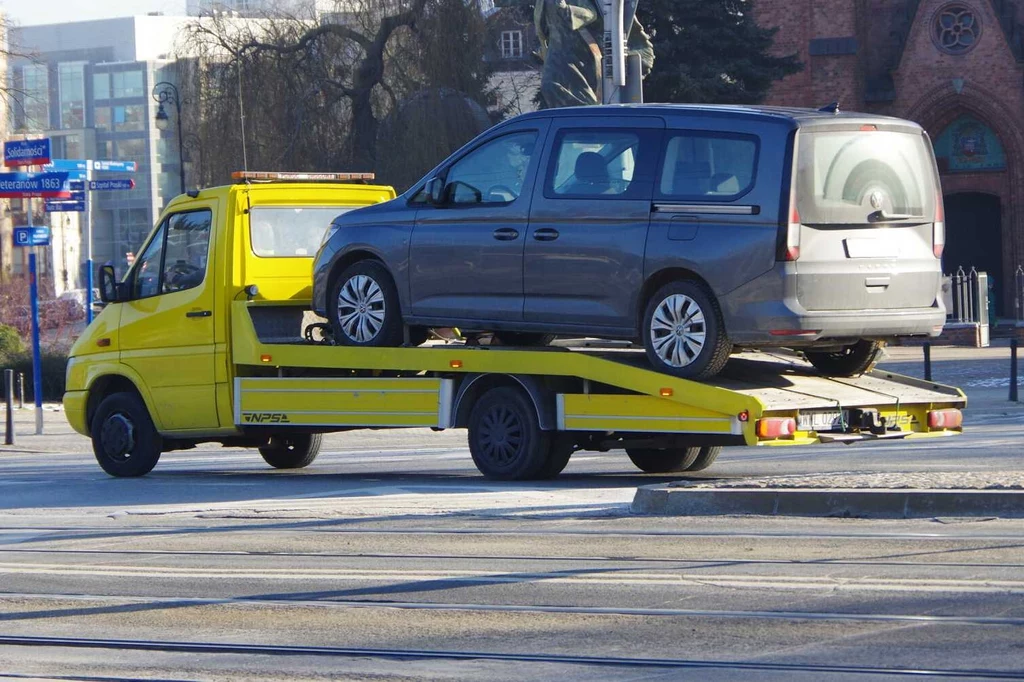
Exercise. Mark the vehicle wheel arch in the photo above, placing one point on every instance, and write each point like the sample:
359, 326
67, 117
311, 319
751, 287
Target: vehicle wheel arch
655, 282
472, 388
109, 384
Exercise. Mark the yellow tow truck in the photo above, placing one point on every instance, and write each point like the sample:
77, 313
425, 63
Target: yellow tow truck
209, 338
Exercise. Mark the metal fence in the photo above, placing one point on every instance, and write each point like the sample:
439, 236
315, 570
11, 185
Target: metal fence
966, 298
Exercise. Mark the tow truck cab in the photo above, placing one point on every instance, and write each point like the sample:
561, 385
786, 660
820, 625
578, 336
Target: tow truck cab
165, 335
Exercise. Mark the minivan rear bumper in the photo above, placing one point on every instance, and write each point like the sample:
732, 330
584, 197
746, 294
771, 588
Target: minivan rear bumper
765, 313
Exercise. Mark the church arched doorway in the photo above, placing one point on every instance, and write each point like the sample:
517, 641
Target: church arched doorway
974, 236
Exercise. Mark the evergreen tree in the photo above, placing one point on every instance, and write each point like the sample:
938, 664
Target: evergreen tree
710, 51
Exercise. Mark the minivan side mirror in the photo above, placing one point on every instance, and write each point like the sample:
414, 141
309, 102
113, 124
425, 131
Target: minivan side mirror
435, 190
110, 290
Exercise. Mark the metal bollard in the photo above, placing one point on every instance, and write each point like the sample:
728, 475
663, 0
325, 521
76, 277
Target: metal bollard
927, 362
1013, 370
21, 390
9, 394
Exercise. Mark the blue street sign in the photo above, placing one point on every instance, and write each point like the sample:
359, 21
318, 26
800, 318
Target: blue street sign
114, 166
64, 207
67, 165
31, 236
25, 185
103, 185
27, 152
76, 185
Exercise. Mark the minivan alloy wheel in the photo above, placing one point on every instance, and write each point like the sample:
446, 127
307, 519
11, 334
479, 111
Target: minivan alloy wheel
678, 330
361, 308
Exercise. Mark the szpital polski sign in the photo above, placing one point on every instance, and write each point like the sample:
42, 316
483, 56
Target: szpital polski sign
27, 152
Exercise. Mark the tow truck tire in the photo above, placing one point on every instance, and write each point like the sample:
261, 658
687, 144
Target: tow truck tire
654, 461
562, 447
851, 361
367, 291
708, 455
292, 451
505, 437
124, 440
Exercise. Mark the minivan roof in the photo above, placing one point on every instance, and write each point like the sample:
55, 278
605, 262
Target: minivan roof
797, 116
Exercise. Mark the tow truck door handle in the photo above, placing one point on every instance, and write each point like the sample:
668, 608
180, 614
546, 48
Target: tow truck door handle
199, 313
545, 234
506, 234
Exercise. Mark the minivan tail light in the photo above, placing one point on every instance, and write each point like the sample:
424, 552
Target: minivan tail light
939, 228
793, 231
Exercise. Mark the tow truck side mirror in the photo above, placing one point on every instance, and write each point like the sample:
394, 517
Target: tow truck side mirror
110, 290
435, 190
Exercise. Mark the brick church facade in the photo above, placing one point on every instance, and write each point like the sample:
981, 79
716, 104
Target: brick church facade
957, 68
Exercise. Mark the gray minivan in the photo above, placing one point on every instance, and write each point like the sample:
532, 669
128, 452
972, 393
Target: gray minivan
695, 230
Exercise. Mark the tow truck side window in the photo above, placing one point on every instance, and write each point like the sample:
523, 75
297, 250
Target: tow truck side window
175, 259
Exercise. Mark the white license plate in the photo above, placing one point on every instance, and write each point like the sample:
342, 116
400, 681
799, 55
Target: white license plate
820, 421
871, 248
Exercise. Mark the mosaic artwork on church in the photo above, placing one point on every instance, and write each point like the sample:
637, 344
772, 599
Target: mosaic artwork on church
967, 144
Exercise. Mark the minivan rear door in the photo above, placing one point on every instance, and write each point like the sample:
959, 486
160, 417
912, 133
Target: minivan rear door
866, 198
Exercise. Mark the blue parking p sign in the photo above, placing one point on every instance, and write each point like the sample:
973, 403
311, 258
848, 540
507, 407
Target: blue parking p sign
31, 236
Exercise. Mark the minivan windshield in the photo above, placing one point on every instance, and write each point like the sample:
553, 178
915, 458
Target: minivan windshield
864, 176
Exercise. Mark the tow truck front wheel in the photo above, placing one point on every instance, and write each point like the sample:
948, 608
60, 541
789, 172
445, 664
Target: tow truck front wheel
124, 440
505, 437
292, 451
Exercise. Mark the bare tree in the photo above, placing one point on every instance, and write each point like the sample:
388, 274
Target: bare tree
312, 91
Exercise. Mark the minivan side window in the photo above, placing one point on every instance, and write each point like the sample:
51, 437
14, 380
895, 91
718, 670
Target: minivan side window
595, 163
493, 173
703, 166
176, 258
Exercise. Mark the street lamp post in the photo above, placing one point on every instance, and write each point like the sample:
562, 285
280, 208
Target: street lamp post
164, 92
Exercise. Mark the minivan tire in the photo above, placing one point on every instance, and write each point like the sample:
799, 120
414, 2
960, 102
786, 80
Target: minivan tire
295, 451
505, 438
371, 295
850, 361
671, 460
124, 440
686, 302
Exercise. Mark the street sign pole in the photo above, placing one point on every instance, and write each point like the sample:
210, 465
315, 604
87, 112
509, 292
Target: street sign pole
88, 244
37, 369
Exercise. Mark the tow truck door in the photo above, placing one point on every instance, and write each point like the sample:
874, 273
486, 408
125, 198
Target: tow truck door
166, 331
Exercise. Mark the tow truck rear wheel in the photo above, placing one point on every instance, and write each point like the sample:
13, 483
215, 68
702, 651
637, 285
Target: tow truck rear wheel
124, 440
708, 455
292, 451
671, 460
563, 445
850, 361
505, 437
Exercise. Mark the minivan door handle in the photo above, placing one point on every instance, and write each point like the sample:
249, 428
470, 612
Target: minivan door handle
545, 234
506, 234
199, 313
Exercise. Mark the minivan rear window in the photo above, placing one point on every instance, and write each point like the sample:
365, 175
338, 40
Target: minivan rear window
856, 177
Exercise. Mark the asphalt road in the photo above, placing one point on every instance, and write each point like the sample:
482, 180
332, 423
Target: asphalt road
390, 559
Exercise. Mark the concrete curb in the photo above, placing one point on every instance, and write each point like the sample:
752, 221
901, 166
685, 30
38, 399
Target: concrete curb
665, 500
